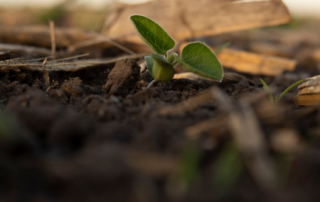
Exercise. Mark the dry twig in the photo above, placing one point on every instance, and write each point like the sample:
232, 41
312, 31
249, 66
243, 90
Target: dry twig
71, 66
53, 40
45, 74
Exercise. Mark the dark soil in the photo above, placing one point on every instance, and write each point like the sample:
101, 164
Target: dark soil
100, 135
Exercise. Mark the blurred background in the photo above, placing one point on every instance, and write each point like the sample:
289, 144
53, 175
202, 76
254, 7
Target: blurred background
304, 8
90, 13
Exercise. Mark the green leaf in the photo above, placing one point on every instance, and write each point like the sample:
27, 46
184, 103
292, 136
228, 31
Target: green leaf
266, 88
159, 68
153, 34
199, 59
160, 60
150, 63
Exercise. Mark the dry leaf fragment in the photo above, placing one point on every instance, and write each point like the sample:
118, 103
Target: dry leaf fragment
309, 92
185, 19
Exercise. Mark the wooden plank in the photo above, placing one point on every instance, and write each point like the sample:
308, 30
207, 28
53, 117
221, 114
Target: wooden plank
252, 63
185, 19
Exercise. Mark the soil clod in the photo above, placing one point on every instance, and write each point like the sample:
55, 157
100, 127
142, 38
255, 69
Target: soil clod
123, 77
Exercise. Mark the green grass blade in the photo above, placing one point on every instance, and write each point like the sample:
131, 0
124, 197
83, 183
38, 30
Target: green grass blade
266, 88
288, 89
153, 34
220, 48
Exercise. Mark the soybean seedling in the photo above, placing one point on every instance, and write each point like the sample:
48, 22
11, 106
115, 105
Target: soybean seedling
277, 99
196, 57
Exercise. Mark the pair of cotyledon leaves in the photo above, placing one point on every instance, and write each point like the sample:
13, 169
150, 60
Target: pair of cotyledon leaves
196, 57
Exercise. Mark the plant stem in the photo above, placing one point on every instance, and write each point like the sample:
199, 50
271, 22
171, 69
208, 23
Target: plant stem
151, 83
288, 89
174, 63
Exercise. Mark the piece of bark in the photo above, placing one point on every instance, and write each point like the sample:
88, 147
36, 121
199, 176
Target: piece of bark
187, 19
253, 63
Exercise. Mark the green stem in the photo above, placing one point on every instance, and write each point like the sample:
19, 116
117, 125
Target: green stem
288, 89
174, 63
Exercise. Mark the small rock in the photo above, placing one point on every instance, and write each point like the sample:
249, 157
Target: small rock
124, 75
73, 87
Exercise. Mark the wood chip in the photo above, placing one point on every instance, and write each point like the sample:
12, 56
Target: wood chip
307, 100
